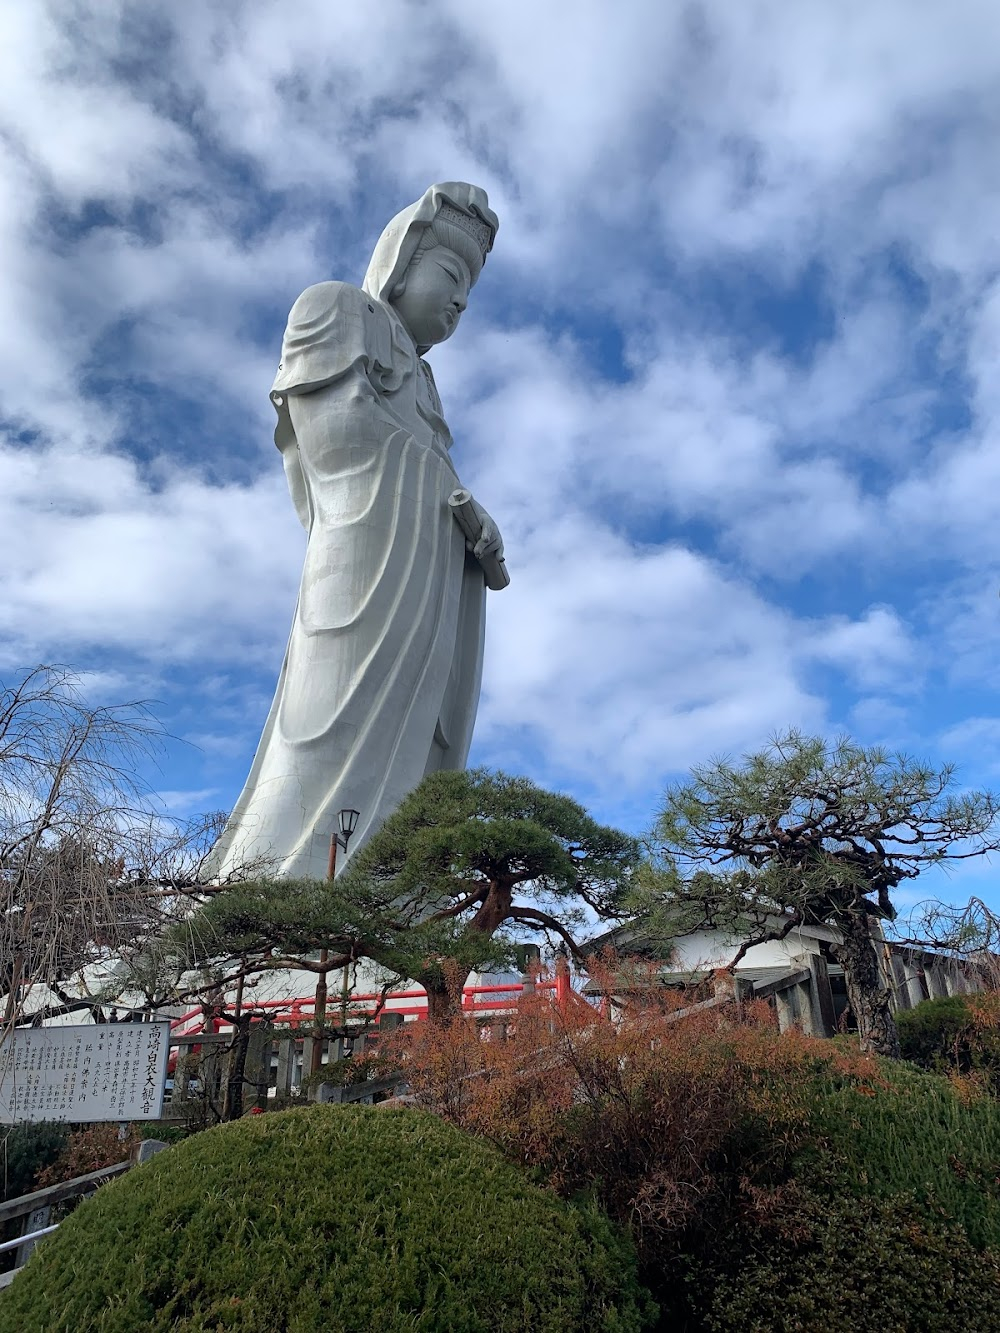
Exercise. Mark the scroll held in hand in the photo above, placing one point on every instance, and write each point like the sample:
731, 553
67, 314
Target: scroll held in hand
469, 517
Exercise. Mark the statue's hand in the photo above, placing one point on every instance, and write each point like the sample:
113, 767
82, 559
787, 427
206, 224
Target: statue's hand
481, 538
490, 542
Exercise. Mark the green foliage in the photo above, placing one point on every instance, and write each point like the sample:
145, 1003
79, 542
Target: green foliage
345, 1073
163, 1133
821, 829
25, 1151
915, 1137
958, 1035
480, 828
870, 1266
466, 859
888, 1217
288, 916
805, 832
878, 1210
328, 1218
928, 1032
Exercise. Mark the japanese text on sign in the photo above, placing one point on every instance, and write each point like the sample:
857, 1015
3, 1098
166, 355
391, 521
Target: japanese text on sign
104, 1071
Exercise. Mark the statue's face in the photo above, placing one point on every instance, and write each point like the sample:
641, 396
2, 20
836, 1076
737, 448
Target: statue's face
435, 293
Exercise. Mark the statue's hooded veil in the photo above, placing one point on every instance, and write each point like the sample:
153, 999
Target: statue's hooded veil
327, 331
320, 343
401, 237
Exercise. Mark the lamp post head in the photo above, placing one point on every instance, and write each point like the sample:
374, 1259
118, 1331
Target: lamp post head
348, 820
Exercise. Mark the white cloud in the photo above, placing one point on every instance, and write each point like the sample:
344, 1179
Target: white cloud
88, 137
93, 555
624, 664
709, 542
877, 651
975, 734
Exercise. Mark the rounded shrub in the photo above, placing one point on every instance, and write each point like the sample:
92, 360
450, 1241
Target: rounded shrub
914, 1136
958, 1035
882, 1215
862, 1264
25, 1151
333, 1218
935, 1033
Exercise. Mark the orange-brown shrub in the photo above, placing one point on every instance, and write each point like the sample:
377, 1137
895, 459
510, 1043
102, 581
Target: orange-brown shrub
88, 1150
758, 1172
645, 1111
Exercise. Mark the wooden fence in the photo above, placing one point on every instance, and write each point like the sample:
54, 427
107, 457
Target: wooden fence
804, 996
36, 1208
220, 1075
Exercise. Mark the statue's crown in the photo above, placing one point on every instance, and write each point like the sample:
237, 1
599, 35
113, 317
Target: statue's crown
480, 231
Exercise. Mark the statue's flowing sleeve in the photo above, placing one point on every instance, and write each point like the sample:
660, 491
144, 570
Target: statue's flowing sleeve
333, 330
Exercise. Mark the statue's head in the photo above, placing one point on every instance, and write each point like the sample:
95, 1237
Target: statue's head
429, 257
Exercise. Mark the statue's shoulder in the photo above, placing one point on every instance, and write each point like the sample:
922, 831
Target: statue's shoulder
335, 300
331, 328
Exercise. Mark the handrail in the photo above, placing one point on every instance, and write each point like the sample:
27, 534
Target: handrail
762, 990
357, 1092
28, 1236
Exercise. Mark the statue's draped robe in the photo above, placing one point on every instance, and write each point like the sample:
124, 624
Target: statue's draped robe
381, 677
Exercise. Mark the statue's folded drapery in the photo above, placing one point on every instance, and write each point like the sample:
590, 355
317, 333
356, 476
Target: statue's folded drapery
381, 676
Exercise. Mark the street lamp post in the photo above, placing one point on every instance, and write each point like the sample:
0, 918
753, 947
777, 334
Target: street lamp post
348, 821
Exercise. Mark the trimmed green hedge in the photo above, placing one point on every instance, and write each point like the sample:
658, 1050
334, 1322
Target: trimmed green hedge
933, 1032
956, 1035
332, 1218
917, 1137
858, 1264
879, 1212
888, 1220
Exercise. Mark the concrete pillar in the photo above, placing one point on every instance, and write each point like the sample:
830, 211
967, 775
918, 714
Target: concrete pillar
907, 988
784, 1003
899, 995
307, 1061
959, 979
953, 977
286, 1061
182, 1075
934, 978
809, 1018
916, 988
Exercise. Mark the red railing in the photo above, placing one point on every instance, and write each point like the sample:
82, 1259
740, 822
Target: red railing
410, 1004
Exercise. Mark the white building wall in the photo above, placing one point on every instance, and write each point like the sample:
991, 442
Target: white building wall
706, 950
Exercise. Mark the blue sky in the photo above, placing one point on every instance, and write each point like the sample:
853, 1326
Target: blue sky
728, 382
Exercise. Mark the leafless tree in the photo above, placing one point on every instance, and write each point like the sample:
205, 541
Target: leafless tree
969, 933
89, 864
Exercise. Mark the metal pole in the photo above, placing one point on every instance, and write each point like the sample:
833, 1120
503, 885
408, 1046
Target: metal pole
319, 1006
28, 1237
345, 991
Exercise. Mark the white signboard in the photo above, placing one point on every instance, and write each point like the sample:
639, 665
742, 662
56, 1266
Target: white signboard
104, 1071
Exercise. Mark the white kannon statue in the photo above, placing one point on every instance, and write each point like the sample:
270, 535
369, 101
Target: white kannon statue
381, 677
